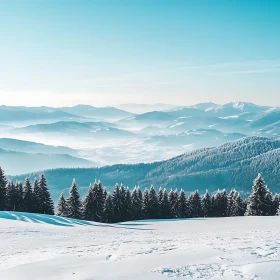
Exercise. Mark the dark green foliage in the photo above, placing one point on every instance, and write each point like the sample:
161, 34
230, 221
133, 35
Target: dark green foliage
173, 204
117, 203
206, 205
27, 196
164, 206
37, 197
136, 203
237, 208
153, 204
194, 202
11, 197
127, 213
19, 188
260, 202
124, 205
182, 205
74, 203
108, 213
145, 205
220, 204
98, 196
89, 205
62, 207
47, 206
3, 182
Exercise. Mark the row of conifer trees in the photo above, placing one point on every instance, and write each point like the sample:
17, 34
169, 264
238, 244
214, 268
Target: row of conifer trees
124, 205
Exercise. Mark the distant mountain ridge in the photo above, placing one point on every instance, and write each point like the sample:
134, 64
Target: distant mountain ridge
231, 165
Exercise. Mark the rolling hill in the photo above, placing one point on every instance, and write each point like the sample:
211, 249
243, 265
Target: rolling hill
231, 165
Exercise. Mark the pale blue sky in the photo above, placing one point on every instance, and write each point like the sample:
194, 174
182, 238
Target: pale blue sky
64, 52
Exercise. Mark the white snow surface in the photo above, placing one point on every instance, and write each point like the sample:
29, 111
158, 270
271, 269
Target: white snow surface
43, 247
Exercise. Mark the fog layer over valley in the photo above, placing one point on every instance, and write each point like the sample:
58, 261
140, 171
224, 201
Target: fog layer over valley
86, 136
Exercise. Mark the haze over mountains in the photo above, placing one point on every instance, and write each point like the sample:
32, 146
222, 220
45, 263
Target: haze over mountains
93, 136
230, 165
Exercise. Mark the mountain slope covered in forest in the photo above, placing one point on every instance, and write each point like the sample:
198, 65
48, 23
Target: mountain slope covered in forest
231, 165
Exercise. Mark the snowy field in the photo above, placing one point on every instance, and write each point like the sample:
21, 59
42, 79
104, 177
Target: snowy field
44, 247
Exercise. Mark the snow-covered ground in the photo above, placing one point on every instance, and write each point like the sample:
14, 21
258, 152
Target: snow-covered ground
43, 247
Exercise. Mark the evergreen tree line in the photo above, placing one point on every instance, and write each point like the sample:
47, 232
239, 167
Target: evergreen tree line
27, 197
124, 205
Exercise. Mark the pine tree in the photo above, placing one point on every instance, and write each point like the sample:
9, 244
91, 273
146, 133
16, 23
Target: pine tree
74, 203
47, 206
237, 208
145, 205
127, 206
89, 204
182, 205
206, 205
136, 203
108, 214
20, 205
12, 197
160, 199
62, 207
173, 203
37, 197
231, 196
164, 206
117, 204
3, 182
153, 204
220, 204
28, 196
260, 201
195, 204
99, 198
122, 202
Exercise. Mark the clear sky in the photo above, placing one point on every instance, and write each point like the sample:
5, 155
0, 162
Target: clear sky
106, 52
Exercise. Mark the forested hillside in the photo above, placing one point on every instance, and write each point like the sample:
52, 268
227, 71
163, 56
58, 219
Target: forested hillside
231, 165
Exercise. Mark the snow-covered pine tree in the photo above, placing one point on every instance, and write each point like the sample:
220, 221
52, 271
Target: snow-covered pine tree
19, 189
220, 204
3, 183
62, 207
89, 204
136, 203
117, 203
127, 206
160, 198
37, 197
182, 205
173, 203
237, 208
206, 205
122, 199
74, 203
145, 205
108, 214
164, 206
260, 201
100, 199
231, 197
276, 202
153, 204
105, 193
47, 206
11, 196
27, 196
194, 203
